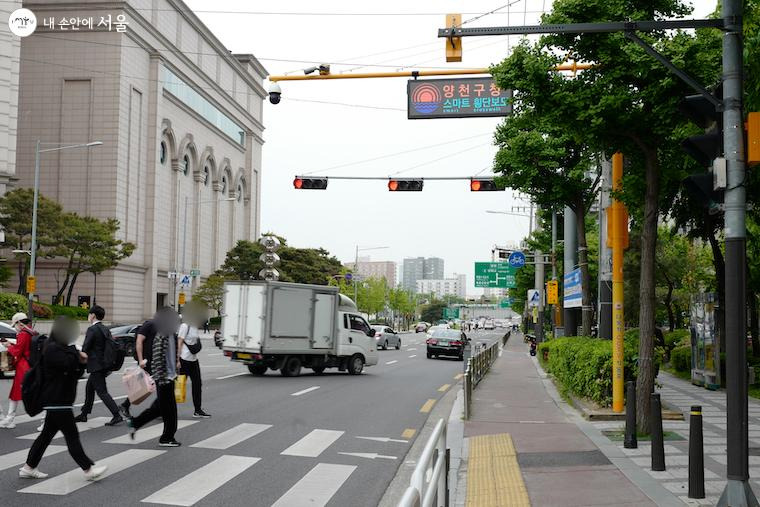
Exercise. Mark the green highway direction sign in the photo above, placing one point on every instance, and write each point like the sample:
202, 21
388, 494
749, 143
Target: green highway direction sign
499, 275
451, 313
505, 303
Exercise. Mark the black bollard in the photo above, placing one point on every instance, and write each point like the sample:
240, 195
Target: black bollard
696, 454
655, 424
630, 416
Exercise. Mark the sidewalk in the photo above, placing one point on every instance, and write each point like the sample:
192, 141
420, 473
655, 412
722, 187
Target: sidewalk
526, 443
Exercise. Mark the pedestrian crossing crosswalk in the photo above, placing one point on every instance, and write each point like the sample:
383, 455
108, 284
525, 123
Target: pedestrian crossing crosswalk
315, 452
95, 422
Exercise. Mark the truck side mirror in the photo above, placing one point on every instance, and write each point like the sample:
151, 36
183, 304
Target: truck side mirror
372, 332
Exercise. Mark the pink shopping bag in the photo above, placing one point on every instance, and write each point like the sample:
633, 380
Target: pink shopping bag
138, 383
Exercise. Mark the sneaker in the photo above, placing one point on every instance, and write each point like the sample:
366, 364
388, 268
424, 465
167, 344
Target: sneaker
131, 427
30, 473
39, 428
200, 414
95, 472
8, 422
168, 443
81, 418
124, 409
117, 419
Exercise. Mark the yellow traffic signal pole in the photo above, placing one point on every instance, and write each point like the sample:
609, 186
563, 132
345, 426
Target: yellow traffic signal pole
570, 67
618, 235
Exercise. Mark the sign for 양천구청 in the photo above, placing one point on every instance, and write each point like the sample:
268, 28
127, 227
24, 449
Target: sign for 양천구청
456, 98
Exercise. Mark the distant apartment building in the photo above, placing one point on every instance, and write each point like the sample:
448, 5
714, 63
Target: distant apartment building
456, 286
420, 268
10, 48
375, 269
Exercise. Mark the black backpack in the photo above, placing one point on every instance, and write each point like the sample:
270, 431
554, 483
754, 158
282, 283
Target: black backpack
35, 348
113, 352
31, 388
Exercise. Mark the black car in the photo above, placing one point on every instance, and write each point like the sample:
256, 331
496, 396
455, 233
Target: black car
126, 335
446, 342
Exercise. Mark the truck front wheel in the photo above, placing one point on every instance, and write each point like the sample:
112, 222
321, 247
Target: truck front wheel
291, 367
356, 364
257, 369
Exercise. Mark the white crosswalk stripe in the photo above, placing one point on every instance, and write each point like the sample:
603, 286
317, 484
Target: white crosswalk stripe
232, 436
96, 422
313, 444
194, 486
317, 487
147, 433
73, 480
18, 458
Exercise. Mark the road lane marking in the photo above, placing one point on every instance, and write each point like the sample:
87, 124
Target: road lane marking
196, 485
413, 355
458, 376
444, 387
313, 444
13, 459
532, 422
307, 390
73, 480
95, 422
149, 433
408, 433
233, 375
232, 436
385, 439
368, 455
392, 362
428, 406
410, 350
317, 487
101, 401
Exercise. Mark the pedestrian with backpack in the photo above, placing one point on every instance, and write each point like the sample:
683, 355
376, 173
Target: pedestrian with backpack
103, 356
52, 386
20, 351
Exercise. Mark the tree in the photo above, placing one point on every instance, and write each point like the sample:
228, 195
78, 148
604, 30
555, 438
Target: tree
16, 221
432, 312
625, 102
89, 245
211, 293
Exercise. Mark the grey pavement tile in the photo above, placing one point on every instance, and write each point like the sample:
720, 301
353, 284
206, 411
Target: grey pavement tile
713, 440
698, 501
722, 459
679, 488
715, 449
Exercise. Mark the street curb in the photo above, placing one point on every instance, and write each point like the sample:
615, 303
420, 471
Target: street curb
400, 482
638, 476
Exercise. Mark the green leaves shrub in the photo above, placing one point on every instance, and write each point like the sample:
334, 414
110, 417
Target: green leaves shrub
680, 358
11, 303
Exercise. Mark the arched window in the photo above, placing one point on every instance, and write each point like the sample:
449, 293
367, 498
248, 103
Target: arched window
186, 164
224, 184
240, 193
162, 153
206, 175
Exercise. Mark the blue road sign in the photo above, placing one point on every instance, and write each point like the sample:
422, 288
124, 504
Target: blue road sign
517, 259
572, 289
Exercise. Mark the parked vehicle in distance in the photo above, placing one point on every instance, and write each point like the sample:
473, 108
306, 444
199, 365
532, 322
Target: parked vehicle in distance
6, 366
286, 326
127, 336
446, 342
421, 327
386, 337
489, 325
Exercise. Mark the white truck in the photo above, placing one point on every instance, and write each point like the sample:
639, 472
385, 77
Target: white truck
287, 326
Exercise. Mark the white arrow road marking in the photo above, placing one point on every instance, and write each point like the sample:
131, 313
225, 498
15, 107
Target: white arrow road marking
385, 439
368, 455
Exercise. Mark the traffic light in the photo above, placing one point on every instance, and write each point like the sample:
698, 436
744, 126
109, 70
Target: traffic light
405, 185
484, 185
310, 183
700, 189
704, 148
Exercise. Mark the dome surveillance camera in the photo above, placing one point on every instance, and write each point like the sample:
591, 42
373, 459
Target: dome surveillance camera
275, 93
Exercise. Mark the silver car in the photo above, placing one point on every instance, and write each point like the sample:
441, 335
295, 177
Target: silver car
386, 337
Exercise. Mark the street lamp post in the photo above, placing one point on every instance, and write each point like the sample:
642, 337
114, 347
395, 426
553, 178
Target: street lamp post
33, 248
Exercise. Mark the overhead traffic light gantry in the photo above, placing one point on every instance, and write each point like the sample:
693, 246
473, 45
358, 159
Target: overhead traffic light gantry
302, 183
405, 185
484, 185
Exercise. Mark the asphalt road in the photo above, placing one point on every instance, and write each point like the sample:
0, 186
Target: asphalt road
329, 440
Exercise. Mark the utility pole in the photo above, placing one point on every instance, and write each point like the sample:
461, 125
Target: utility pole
571, 250
539, 281
738, 491
605, 255
556, 307
619, 232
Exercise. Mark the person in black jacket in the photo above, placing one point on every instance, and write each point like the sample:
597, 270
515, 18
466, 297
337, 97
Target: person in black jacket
62, 365
94, 346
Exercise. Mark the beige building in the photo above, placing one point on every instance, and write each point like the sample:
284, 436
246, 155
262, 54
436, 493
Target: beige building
10, 46
376, 269
180, 118
456, 286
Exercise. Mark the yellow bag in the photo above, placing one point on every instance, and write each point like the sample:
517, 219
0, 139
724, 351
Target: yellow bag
180, 389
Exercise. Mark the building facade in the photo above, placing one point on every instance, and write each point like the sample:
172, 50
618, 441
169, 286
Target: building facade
420, 268
10, 48
180, 119
456, 286
375, 269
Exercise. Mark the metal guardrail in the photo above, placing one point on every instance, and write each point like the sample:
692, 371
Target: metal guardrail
429, 486
477, 367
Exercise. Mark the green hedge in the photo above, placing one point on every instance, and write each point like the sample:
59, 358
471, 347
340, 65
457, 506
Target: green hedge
11, 303
680, 358
675, 339
75, 312
583, 366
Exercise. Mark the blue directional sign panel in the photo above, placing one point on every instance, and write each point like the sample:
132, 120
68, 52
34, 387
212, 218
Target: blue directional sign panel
572, 290
517, 259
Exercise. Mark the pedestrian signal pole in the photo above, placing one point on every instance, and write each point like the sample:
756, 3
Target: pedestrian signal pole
617, 237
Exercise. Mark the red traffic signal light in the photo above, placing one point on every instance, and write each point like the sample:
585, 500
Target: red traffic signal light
405, 185
310, 183
484, 185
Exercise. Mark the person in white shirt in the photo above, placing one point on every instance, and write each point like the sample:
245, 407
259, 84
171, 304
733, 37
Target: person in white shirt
189, 346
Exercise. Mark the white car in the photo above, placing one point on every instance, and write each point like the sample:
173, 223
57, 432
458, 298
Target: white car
489, 325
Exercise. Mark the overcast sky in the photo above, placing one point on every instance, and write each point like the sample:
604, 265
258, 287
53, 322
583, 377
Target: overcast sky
445, 219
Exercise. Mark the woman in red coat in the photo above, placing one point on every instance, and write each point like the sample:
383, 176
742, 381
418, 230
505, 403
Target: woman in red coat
20, 352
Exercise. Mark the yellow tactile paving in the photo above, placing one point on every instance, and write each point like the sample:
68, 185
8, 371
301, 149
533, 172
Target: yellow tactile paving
493, 474
408, 433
